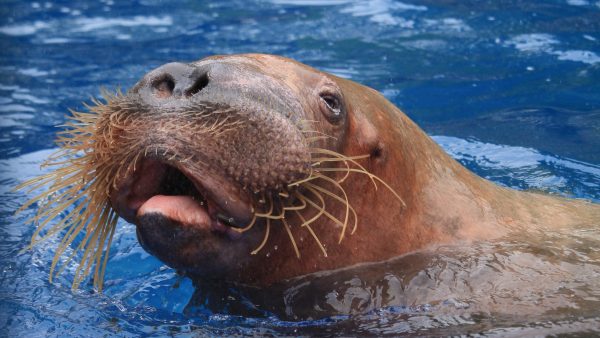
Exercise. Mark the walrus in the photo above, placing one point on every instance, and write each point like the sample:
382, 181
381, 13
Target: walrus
256, 169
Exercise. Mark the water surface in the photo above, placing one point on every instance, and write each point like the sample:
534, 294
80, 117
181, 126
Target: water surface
510, 89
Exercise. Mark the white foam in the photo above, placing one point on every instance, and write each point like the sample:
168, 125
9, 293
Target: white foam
380, 11
9, 123
311, 2
578, 55
545, 43
377, 7
19, 116
578, 2
30, 98
56, 40
15, 88
390, 93
536, 42
33, 72
426, 44
24, 29
451, 25
91, 24
346, 73
15, 108
507, 157
388, 19
499, 156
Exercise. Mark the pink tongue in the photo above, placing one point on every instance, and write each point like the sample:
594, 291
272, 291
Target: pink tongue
182, 209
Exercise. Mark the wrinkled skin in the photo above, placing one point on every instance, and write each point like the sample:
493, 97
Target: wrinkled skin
269, 97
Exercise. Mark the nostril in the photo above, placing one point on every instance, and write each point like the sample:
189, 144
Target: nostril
200, 83
163, 87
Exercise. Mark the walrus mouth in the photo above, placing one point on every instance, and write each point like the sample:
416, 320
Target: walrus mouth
198, 201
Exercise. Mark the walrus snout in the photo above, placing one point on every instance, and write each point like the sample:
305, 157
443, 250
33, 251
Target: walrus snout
173, 80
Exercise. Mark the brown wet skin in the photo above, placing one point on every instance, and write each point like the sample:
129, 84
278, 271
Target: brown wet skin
204, 178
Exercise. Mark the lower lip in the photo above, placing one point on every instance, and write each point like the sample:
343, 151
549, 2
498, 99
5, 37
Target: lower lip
188, 212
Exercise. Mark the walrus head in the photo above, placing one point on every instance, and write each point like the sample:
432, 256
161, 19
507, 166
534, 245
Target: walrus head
209, 159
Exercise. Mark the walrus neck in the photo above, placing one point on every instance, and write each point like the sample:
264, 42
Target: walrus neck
451, 202
461, 205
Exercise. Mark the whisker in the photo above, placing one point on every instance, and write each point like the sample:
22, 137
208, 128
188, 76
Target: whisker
310, 230
82, 180
339, 159
248, 227
97, 256
373, 177
99, 278
310, 177
289, 232
326, 213
96, 218
306, 122
345, 202
296, 207
333, 153
41, 196
264, 241
321, 209
315, 138
317, 132
89, 247
54, 229
38, 182
347, 169
268, 213
341, 200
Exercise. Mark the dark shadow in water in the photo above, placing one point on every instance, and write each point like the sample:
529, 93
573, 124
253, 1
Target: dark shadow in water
521, 281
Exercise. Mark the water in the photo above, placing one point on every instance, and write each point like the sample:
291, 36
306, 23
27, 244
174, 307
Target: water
511, 89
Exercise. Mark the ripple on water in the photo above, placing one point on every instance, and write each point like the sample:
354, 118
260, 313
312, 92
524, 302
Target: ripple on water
430, 59
544, 43
24, 29
430, 291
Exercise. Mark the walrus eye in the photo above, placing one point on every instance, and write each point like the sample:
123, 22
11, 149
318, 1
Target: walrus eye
333, 107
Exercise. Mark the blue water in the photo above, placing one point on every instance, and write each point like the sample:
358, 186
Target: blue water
511, 89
